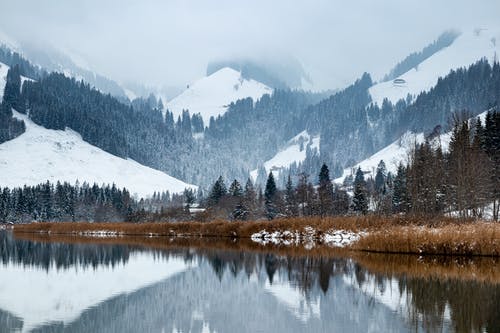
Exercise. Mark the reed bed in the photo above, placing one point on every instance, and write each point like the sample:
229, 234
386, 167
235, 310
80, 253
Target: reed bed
443, 236
479, 238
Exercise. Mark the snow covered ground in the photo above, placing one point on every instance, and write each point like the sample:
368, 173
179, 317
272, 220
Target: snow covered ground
468, 48
40, 154
392, 155
211, 95
31, 294
308, 237
295, 151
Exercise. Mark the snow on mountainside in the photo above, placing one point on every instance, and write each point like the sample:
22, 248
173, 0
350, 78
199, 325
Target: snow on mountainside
468, 48
211, 95
397, 152
295, 151
41, 154
3, 78
4, 69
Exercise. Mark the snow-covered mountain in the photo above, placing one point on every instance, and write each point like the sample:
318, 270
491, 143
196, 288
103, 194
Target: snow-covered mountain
211, 95
468, 48
397, 152
293, 152
41, 154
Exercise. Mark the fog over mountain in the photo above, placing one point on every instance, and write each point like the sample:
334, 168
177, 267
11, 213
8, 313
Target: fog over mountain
160, 43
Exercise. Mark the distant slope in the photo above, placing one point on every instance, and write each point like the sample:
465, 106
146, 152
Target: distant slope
294, 152
414, 59
468, 48
40, 154
397, 152
211, 95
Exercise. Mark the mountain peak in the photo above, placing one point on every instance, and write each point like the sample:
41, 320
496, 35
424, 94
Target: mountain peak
211, 95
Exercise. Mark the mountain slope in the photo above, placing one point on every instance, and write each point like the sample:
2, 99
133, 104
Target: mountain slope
40, 154
211, 95
294, 152
468, 48
397, 152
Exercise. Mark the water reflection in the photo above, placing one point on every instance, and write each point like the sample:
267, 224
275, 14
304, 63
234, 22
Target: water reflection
58, 287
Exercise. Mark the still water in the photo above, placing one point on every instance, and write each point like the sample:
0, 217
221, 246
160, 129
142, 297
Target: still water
84, 287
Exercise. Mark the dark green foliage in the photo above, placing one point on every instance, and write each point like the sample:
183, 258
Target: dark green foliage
325, 192
65, 202
360, 197
400, 194
235, 189
270, 195
218, 191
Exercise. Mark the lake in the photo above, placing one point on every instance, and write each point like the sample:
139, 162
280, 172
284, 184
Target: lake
85, 285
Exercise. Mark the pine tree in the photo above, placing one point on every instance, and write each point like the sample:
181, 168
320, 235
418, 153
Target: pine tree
218, 191
270, 195
325, 192
360, 200
235, 189
380, 176
290, 198
400, 193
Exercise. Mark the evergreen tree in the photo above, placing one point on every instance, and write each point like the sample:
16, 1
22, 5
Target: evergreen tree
360, 199
217, 192
235, 189
270, 195
290, 198
400, 193
325, 192
380, 176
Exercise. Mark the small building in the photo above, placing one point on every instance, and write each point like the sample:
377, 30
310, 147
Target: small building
399, 82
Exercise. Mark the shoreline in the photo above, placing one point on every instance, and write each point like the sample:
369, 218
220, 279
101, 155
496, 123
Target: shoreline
444, 236
476, 268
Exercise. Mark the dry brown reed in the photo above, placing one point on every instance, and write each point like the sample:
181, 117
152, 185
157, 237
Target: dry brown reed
398, 234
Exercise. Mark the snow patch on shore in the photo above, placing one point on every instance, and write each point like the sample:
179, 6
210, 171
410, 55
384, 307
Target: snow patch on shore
309, 237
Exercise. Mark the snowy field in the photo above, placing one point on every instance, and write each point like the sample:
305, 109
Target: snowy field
41, 154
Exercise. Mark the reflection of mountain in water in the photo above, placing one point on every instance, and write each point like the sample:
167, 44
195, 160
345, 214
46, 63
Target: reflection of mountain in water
197, 298
234, 291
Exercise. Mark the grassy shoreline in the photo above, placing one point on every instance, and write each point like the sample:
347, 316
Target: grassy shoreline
443, 236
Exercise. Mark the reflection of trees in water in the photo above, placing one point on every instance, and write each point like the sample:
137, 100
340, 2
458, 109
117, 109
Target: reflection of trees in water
473, 306
49, 255
59, 255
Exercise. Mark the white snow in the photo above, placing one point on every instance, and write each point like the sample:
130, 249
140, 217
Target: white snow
392, 155
468, 48
30, 293
211, 95
3, 78
291, 153
308, 237
130, 94
40, 154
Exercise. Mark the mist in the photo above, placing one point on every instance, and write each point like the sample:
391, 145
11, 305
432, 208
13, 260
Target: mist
169, 43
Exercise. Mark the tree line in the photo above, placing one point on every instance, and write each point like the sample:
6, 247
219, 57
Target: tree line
462, 181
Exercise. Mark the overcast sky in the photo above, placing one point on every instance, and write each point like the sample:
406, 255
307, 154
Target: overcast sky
170, 42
